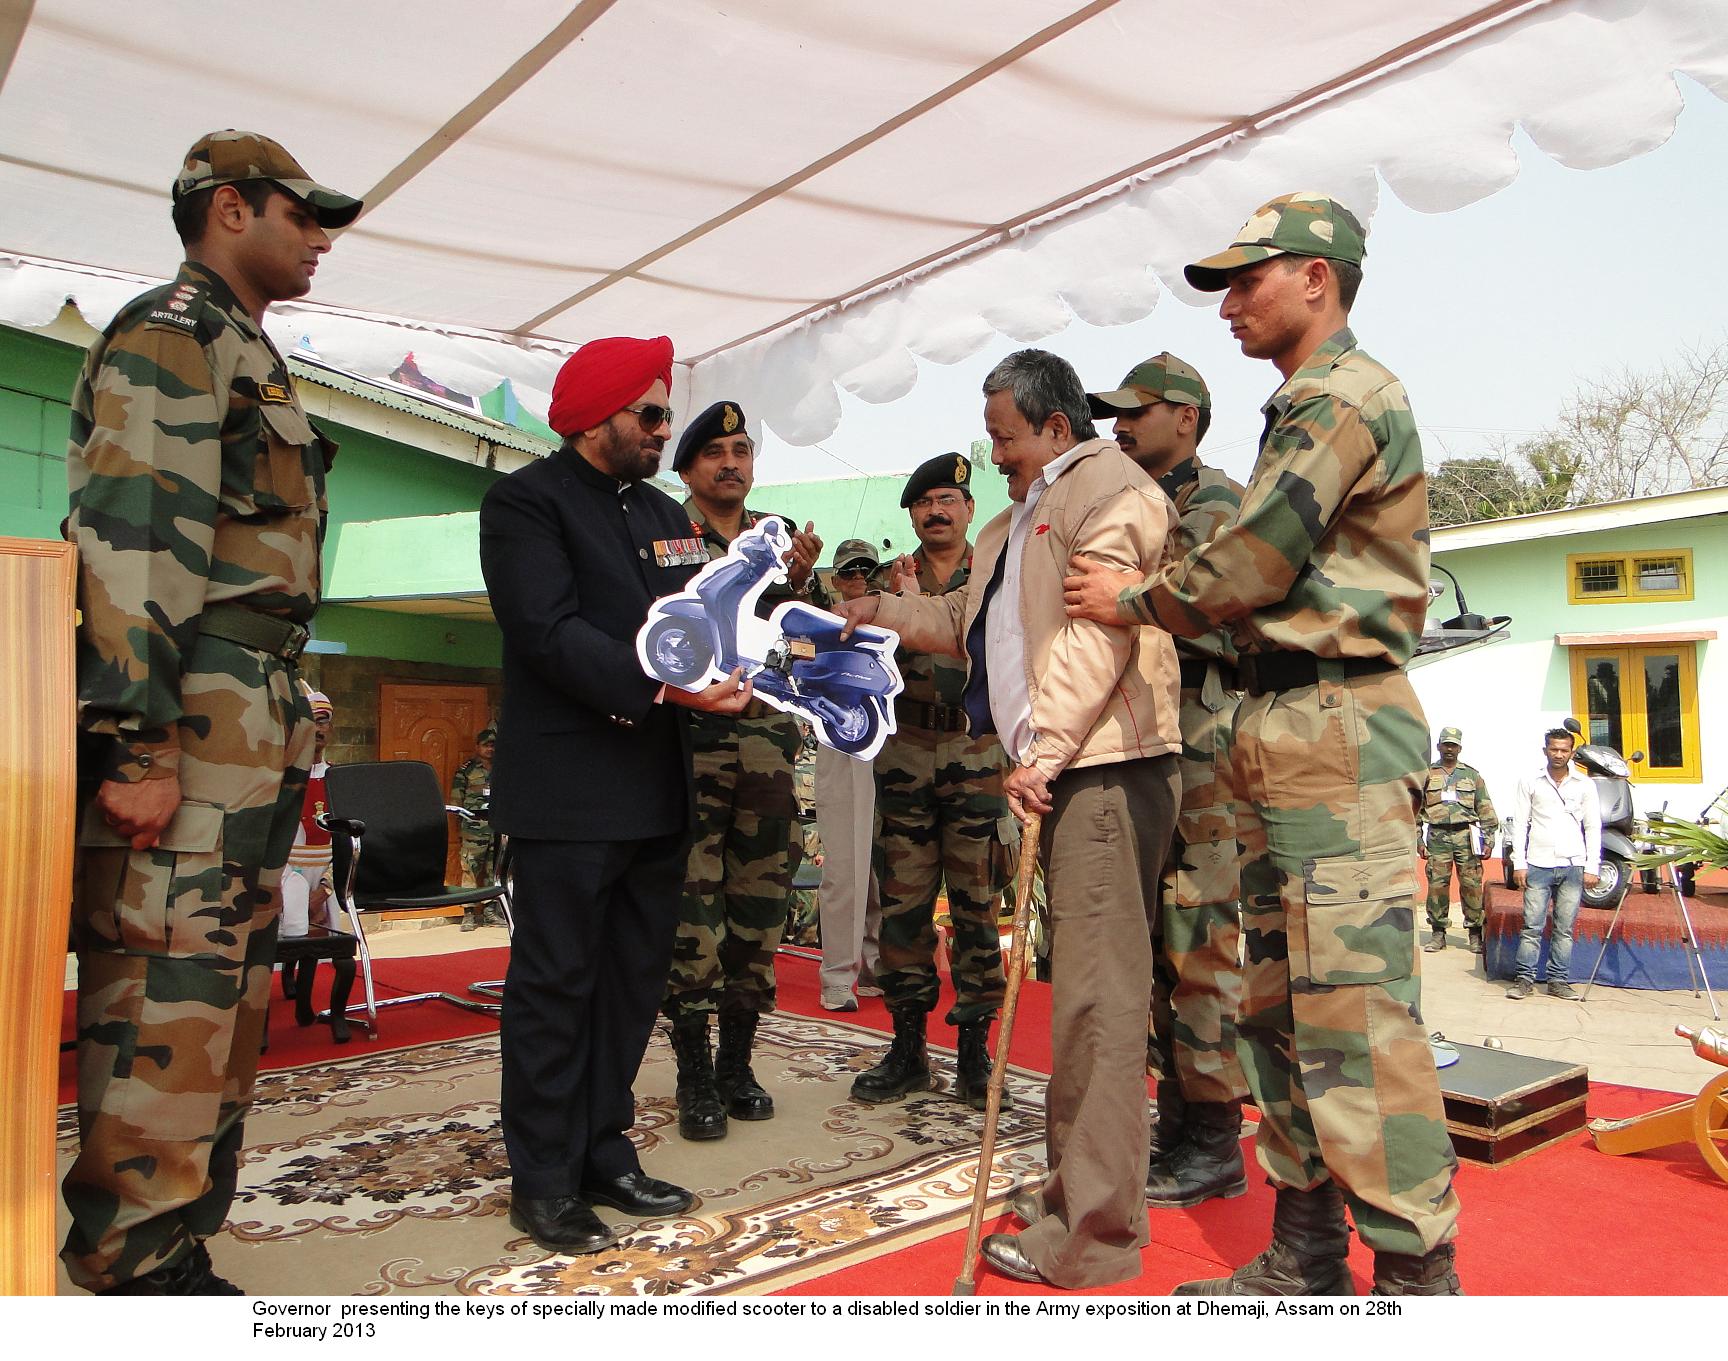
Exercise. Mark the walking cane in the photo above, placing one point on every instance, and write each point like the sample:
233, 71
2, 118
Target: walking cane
1029, 833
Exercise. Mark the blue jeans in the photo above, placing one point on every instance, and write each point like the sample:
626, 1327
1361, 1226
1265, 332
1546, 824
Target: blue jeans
1566, 885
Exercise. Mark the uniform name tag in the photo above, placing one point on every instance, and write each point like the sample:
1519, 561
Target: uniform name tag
274, 392
1449, 796
680, 553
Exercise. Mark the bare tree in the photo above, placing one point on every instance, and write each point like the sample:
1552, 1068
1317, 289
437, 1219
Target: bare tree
1646, 433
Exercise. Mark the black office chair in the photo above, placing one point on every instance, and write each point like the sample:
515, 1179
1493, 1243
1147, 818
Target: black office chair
390, 839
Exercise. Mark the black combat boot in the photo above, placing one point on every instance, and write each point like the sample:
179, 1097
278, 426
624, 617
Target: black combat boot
1475, 940
700, 1114
743, 1095
905, 1067
1169, 1125
1436, 942
1310, 1242
972, 1067
471, 918
192, 1274
1397, 1273
1209, 1166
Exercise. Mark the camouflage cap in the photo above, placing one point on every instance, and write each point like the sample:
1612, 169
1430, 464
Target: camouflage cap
230, 157
856, 550
945, 470
1162, 378
484, 736
1291, 224
1450, 735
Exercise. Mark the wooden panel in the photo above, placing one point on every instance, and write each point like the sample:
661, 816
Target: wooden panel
436, 724
37, 591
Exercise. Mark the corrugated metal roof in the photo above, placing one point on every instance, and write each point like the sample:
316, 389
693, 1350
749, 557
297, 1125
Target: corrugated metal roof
420, 404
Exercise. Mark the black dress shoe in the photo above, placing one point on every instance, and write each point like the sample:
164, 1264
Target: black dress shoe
1002, 1251
561, 1224
637, 1193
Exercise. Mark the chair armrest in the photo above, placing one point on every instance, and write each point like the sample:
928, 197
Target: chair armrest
349, 827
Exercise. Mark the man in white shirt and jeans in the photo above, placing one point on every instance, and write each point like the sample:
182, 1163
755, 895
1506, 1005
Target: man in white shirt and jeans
1556, 847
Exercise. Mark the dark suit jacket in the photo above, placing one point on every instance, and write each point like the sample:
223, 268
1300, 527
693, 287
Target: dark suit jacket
584, 753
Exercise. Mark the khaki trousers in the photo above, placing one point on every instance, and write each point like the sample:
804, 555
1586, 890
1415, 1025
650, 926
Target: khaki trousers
847, 905
1104, 847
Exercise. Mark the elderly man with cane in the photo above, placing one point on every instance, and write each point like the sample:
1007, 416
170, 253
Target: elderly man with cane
1087, 714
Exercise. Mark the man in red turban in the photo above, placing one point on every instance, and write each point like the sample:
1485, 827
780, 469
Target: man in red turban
591, 783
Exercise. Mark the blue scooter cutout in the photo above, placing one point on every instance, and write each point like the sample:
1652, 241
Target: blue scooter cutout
795, 657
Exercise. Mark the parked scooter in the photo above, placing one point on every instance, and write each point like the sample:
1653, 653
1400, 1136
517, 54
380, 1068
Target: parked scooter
1612, 776
798, 658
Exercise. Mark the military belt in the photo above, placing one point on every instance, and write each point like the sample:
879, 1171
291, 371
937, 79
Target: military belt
1194, 674
911, 713
264, 632
1268, 673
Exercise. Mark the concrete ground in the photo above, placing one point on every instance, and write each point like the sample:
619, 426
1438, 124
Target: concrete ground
1621, 1035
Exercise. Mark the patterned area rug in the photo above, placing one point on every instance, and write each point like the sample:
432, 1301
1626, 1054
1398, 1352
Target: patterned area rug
386, 1175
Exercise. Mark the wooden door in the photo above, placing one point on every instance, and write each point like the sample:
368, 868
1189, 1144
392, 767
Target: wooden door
436, 724
36, 836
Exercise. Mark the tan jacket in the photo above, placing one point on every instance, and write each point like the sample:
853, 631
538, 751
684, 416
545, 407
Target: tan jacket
1100, 694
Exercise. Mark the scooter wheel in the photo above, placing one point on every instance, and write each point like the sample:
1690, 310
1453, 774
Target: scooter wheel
853, 730
677, 653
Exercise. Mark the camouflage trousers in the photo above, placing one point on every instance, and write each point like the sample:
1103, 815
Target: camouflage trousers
738, 881
1449, 847
1196, 976
480, 858
175, 948
1331, 1022
942, 818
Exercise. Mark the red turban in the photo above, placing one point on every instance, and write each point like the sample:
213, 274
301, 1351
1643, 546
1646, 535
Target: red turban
604, 377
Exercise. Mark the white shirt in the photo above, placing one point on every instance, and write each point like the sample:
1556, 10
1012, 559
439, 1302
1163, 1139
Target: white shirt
1557, 824
1004, 640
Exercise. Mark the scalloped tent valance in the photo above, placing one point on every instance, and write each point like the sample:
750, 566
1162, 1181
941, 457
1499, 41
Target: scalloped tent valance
803, 195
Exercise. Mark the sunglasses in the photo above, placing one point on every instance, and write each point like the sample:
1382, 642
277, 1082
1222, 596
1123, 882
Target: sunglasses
853, 572
651, 416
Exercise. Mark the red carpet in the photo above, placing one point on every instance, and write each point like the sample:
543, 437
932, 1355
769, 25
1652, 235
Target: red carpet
1565, 1221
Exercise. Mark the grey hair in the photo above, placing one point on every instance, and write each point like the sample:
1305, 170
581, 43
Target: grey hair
1043, 384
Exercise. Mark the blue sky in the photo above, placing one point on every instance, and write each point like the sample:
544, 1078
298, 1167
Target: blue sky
1492, 315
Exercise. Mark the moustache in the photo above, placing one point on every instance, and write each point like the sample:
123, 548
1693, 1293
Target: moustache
725, 476
936, 520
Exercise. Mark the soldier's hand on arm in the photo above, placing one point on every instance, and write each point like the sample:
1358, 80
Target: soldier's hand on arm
856, 612
139, 810
1093, 591
726, 697
806, 549
1028, 791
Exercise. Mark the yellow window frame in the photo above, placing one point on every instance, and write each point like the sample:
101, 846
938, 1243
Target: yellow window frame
1628, 564
1634, 720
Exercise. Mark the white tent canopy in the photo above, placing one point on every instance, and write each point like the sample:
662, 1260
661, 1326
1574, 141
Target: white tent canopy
804, 194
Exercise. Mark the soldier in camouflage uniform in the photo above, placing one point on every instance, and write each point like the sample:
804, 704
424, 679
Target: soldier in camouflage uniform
1459, 822
942, 818
1161, 411
1323, 579
748, 840
197, 507
471, 788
